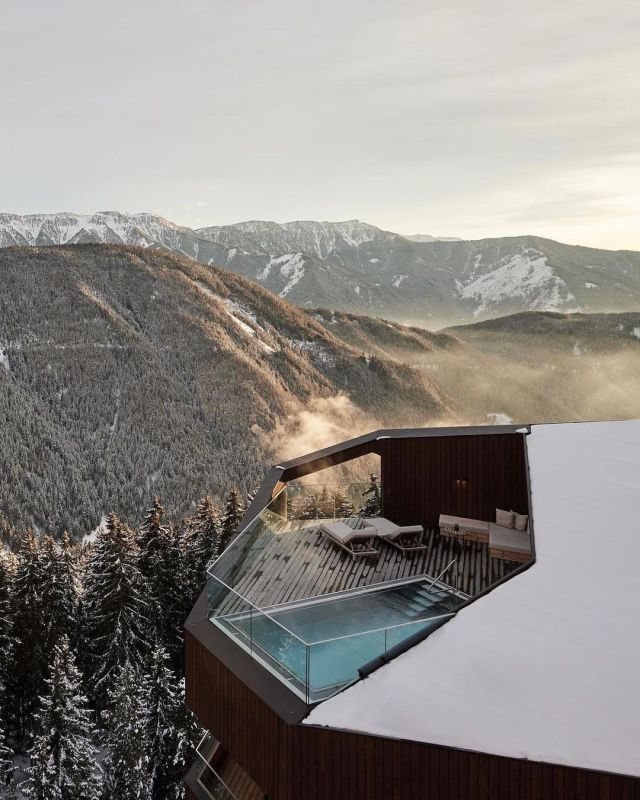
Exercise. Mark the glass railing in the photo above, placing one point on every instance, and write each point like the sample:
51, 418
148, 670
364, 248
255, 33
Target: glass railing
291, 640
332, 501
208, 779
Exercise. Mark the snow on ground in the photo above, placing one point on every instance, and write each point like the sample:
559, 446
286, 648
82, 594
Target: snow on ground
527, 275
499, 418
236, 312
397, 280
4, 359
591, 285
89, 538
356, 289
290, 266
636, 333
316, 349
374, 260
577, 350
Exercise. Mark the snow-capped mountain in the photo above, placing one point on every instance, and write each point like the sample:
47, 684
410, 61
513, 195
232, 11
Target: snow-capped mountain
357, 267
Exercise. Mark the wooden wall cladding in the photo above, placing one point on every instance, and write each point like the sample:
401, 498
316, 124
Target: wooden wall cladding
296, 762
469, 476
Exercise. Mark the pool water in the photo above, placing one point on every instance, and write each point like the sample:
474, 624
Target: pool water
337, 636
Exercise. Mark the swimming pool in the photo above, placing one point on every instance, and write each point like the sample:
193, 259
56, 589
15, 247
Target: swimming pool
316, 646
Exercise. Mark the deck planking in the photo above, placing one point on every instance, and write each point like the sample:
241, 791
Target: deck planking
299, 563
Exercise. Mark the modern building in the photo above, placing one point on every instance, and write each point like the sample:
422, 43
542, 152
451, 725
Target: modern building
500, 661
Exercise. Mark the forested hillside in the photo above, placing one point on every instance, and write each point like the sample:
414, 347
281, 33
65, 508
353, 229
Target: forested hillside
127, 373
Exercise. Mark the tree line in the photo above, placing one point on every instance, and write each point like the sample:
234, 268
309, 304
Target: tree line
91, 656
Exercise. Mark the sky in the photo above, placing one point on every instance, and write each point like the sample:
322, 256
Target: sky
460, 118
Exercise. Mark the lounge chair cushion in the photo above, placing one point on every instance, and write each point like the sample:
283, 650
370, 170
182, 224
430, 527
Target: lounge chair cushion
509, 539
386, 529
505, 518
344, 533
473, 525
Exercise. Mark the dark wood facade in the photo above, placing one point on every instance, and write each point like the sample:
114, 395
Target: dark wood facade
468, 476
298, 762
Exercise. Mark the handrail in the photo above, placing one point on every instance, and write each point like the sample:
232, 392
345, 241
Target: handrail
446, 569
208, 765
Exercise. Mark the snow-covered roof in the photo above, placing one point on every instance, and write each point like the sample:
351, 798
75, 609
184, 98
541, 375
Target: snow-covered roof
547, 665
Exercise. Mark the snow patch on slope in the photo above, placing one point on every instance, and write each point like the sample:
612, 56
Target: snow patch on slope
527, 275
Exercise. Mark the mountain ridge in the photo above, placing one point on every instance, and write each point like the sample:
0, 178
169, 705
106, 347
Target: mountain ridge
355, 266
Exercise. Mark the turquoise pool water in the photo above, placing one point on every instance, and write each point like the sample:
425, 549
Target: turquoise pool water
332, 638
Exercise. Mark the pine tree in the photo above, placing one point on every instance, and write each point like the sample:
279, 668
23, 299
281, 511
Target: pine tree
126, 719
343, 506
63, 757
29, 663
311, 507
6, 753
60, 601
171, 729
233, 512
7, 640
201, 543
372, 505
158, 563
115, 608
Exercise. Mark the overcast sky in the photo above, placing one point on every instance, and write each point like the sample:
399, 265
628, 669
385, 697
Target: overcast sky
465, 117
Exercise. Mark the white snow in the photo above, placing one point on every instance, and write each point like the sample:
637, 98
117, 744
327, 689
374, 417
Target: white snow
356, 289
545, 666
89, 538
397, 280
527, 275
591, 285
4, 359
290, 266
577, 350
636, 333
499, 418
374, 260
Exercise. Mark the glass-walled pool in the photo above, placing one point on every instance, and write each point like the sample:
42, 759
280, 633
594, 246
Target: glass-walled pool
317, 646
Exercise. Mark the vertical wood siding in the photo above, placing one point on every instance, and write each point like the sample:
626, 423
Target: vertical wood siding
296, 762
420, 477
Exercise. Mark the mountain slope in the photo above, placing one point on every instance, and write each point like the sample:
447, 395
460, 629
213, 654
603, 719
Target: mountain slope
128, 372
355, 267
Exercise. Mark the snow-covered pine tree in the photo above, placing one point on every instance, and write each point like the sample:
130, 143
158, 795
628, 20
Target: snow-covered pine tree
126, 720
63, 756
344, 507
29, 662
6, 753
60, 601
233, 511
201, 543
159, 564
311, 507
172, 729
7, 640
115, 608
372, 504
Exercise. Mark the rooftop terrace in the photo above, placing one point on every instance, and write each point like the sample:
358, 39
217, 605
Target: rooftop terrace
314, 614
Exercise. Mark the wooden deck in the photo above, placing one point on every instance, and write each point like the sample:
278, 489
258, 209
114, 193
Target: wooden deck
299, 563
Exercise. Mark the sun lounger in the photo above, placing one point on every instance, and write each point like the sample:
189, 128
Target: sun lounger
356, 543
407, 538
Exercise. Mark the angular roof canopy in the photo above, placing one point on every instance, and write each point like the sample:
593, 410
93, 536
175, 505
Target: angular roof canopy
547, 665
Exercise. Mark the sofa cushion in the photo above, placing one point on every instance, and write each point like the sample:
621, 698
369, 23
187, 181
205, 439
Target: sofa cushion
509, 539
504, 518
520, 521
